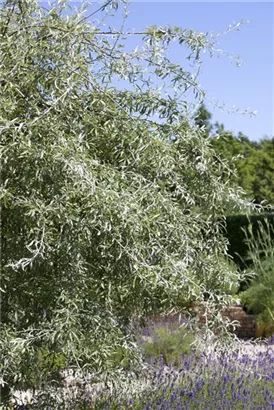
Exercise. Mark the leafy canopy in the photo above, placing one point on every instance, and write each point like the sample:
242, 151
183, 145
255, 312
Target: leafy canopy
109, 193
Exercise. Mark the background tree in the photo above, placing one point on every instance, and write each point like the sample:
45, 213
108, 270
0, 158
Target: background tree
202, 119
262, 161
252, 161
93, 236
254, 165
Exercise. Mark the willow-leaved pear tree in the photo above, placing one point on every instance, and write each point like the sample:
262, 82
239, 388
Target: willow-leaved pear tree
112, 201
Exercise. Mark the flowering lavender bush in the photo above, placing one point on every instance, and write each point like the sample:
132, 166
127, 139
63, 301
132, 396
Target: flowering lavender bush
240, 378
234, 380
208, 376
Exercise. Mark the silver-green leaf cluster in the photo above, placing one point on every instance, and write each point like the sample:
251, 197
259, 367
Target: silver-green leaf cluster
112, 200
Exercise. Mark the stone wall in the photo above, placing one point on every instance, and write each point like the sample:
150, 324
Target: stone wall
247, 328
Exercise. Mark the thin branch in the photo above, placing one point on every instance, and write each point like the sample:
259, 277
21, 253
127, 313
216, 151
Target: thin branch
124, 33
11, 11
104, 33
38, 251
96, 11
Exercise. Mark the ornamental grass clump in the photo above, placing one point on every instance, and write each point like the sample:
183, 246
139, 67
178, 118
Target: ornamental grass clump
168, 341
259, 297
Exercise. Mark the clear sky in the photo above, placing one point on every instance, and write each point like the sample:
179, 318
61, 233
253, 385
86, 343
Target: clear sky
252, 84
249, 86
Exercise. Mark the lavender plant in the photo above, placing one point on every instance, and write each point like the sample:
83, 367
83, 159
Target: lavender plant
239, 379
234, 380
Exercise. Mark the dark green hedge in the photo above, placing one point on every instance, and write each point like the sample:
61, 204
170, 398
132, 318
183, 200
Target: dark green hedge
234, 232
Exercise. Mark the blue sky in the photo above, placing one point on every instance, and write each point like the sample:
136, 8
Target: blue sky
252, 84
249, 86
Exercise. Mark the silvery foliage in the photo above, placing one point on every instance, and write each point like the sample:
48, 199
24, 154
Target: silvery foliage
112, 200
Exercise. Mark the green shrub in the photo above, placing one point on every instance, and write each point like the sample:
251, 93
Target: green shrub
120, 358
168, 342
44, 364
